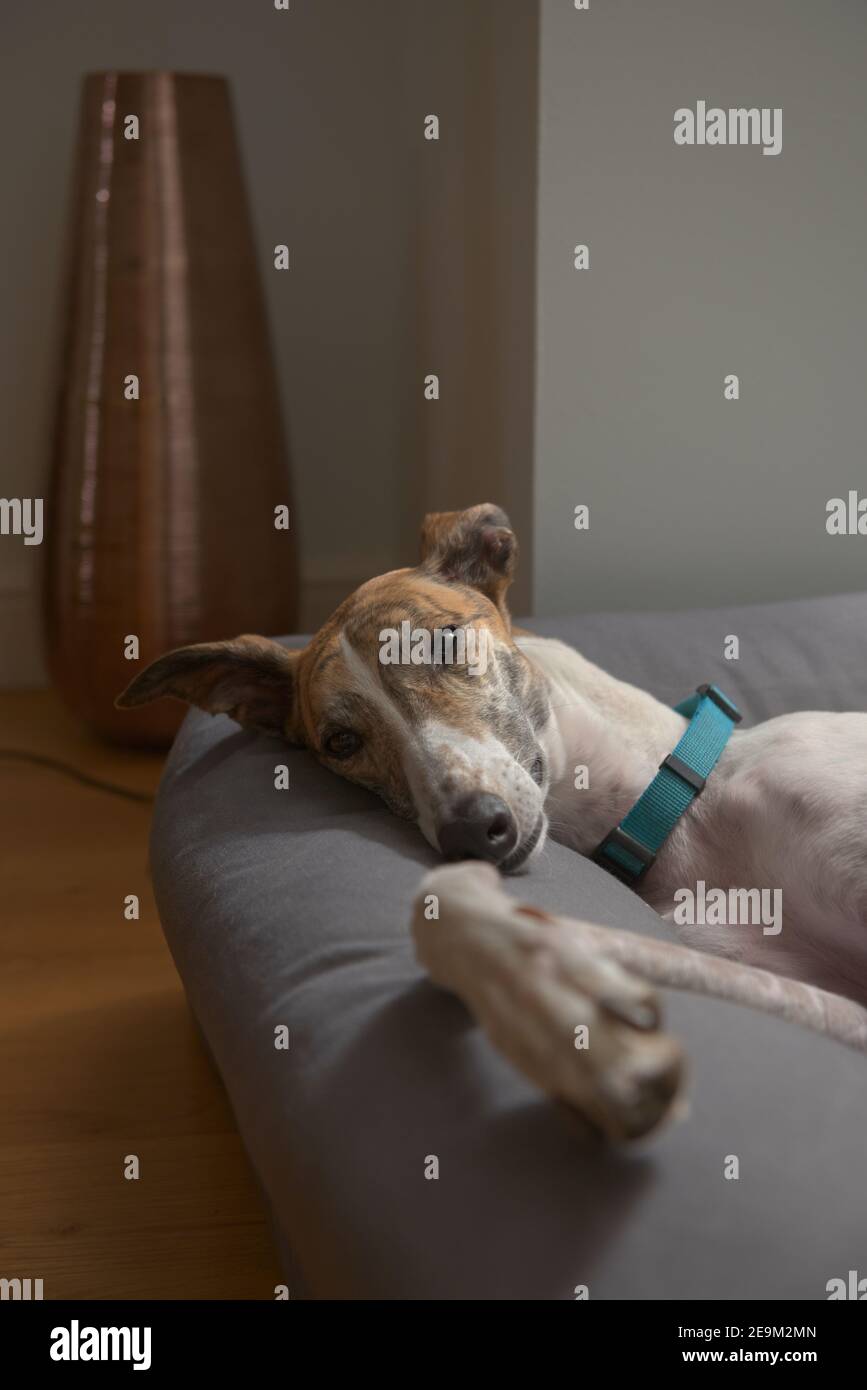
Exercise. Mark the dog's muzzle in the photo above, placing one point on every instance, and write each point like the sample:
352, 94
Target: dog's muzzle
480, 826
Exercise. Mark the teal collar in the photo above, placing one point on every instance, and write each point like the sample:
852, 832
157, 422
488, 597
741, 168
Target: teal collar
629, 850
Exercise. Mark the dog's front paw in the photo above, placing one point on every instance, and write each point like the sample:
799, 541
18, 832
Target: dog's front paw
572, 1020
585, 1031
633, 1081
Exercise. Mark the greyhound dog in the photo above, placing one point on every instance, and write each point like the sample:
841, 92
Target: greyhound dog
483, 757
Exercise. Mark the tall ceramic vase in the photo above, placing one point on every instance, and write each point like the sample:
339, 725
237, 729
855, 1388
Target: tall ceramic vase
169, 464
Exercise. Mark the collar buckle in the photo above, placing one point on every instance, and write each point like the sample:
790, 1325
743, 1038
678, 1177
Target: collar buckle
713, 693
623, 840
686, 773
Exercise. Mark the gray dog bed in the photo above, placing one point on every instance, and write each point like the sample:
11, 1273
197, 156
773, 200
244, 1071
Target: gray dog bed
291, 908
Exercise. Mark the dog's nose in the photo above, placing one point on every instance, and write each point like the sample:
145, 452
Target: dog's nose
481, 826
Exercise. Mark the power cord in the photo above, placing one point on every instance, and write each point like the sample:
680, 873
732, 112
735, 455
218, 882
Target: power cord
68, 770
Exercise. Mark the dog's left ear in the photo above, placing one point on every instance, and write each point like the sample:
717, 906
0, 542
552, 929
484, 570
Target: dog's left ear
476, 547
252, 679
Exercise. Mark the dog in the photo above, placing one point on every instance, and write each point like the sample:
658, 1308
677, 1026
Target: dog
483, 760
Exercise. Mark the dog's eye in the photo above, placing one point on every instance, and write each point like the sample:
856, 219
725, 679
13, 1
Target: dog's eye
445, 652
537, 771
342, 743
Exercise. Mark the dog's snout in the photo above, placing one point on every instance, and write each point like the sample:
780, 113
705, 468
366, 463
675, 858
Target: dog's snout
481, 826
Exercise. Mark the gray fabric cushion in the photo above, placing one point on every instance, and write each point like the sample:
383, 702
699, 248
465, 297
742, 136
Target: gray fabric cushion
291, 907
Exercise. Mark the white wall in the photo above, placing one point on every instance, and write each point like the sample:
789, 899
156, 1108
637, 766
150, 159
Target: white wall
412, 257
401, 263
702, 262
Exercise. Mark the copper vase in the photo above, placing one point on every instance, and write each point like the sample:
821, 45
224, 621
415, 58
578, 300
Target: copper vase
161, 515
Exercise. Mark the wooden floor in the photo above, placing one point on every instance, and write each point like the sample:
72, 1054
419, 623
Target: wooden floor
98, 1056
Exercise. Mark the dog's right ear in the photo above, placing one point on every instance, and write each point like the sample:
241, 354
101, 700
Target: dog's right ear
476, 547
252, 679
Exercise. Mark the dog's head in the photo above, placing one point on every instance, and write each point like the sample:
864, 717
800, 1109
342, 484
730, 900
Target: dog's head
414, 688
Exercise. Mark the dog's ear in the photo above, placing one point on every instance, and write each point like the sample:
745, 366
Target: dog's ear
252, 679
476, 547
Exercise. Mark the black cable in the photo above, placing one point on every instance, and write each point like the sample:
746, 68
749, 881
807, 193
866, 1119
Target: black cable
58, 766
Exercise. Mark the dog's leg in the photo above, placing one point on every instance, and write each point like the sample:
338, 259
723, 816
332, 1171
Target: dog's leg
532, 980
562, 1011
681, 967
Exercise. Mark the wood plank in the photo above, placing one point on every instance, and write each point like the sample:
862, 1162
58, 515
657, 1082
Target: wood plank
98, 1053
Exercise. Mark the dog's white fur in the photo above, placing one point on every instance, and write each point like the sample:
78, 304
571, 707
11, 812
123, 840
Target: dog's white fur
786, 807
533, 980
